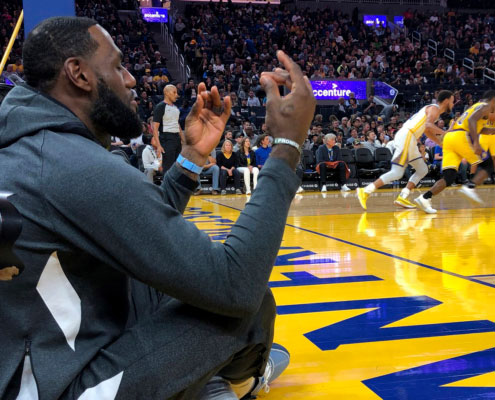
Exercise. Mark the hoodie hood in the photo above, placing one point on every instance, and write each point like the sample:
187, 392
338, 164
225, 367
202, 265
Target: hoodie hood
26, 111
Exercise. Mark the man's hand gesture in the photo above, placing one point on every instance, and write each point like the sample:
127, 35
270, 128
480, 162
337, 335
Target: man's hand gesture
205, 124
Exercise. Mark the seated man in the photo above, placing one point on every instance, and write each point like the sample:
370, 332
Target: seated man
328, 157
371, 143
211, 168
152, 163
123, 297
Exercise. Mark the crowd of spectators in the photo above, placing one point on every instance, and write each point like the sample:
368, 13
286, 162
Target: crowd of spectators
230, 45
131, 34
10, 13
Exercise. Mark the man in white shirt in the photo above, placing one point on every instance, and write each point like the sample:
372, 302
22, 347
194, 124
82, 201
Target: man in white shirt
152, 163
253, 101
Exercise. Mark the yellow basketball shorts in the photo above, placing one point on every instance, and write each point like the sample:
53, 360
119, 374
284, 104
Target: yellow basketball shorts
456, 146
488, 143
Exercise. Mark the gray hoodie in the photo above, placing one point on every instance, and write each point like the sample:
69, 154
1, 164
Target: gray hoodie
91, 222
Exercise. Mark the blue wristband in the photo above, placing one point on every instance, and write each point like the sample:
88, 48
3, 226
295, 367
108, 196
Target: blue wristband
189, 165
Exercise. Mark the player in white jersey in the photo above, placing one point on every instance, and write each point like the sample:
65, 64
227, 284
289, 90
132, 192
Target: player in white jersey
407, 152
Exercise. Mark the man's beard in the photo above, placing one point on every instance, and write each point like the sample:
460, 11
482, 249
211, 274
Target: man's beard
112, 116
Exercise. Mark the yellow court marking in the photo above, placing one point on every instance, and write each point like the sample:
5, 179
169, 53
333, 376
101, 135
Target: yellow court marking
421, 270
481, 380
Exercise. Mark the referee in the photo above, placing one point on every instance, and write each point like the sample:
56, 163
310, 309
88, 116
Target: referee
166, 128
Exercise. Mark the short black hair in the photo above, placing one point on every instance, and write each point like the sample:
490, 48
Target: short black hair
489, 94
444, 95
147, 139
50, 43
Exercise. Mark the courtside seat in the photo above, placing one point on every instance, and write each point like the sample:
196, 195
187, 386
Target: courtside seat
383, 158
348, 158
365, 164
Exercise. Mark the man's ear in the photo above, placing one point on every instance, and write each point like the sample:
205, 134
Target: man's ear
79, 73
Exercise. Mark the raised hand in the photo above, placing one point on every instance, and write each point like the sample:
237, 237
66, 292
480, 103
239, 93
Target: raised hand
205, 124
289, 116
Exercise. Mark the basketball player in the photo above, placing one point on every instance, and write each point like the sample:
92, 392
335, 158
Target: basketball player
407, 152
463, 141
487, 142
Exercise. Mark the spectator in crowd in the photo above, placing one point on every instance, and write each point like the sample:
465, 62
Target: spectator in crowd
354, 108
227, 162
252, 100
317, 142
227, 136
211, 168
369, 106
424, 154
263, 151
152, 163
238, 140
328, 158
388, 112
438, 156
247, 164
354, 136
249, 132
371, 143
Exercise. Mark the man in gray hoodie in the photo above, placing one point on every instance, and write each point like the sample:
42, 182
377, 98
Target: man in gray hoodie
115, 303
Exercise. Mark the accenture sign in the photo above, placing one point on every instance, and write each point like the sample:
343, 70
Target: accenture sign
333, 90
155, 14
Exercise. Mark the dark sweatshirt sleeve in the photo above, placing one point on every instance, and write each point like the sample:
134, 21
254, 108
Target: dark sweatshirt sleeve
177, 188
127, 222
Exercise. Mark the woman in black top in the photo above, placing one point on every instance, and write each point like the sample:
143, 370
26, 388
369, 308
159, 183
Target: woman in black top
247, 164
227, 162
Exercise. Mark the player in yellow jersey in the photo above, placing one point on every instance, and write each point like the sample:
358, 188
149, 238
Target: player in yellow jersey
406, 150
487, 137
462, 141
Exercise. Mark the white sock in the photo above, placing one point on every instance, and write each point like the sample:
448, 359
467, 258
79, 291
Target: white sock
370, 188
405, 193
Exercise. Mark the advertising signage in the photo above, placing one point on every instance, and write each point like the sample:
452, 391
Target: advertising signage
399, 21
155, 14
333, 90
385, 91
375, 20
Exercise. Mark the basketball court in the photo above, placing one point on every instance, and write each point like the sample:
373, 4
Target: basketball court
387, 304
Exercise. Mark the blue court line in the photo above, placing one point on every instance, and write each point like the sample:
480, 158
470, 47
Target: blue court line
383, 253
482, 276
